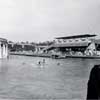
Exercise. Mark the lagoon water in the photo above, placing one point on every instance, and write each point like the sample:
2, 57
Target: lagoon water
21, 78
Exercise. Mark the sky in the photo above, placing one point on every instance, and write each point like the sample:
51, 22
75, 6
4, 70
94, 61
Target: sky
43, 20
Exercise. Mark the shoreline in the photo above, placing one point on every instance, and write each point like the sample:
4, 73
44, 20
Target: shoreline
31, 54
53, 57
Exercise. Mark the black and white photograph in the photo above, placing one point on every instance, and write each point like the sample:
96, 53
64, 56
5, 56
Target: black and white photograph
49, 49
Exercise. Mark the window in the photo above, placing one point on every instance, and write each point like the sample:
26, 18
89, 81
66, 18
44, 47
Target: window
76, 40
64, 40
59, 41
83, 39
70, 40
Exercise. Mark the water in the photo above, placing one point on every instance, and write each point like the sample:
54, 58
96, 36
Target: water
21, 78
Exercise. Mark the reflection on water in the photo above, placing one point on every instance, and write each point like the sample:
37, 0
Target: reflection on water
22, 78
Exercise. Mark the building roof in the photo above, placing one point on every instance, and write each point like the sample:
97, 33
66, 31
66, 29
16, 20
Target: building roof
77, 36
3, 40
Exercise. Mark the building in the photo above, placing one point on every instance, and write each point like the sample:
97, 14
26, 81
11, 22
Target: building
3, 48
74, 45
74, 39
77, 44
21, 46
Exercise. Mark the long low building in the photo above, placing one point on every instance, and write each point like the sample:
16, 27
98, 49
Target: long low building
3, 48
85, 44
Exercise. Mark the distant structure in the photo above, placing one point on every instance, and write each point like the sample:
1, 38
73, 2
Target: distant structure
75, 39
3, 48
82, 44
85, 44
27, 47
16, 47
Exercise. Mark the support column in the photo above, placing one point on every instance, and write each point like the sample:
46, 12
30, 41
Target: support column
36, 49
12, 45
4, 51
0, 51
23, 46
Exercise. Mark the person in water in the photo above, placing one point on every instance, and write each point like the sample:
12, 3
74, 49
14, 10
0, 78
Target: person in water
58, 63
7, 56
43, 61
93, 88
39, 62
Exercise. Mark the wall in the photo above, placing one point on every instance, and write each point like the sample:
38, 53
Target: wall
3, 49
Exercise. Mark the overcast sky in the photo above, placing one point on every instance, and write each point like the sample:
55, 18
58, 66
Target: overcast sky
41, 20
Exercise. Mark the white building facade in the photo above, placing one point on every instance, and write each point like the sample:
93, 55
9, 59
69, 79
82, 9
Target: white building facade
75, 39
3, 48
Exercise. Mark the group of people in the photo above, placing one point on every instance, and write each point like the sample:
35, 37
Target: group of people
93, 86
41, 63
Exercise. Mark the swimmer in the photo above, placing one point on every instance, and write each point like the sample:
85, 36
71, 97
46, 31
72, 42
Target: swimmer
39, 63
7, 56
23, 63
58, 63
43, 60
